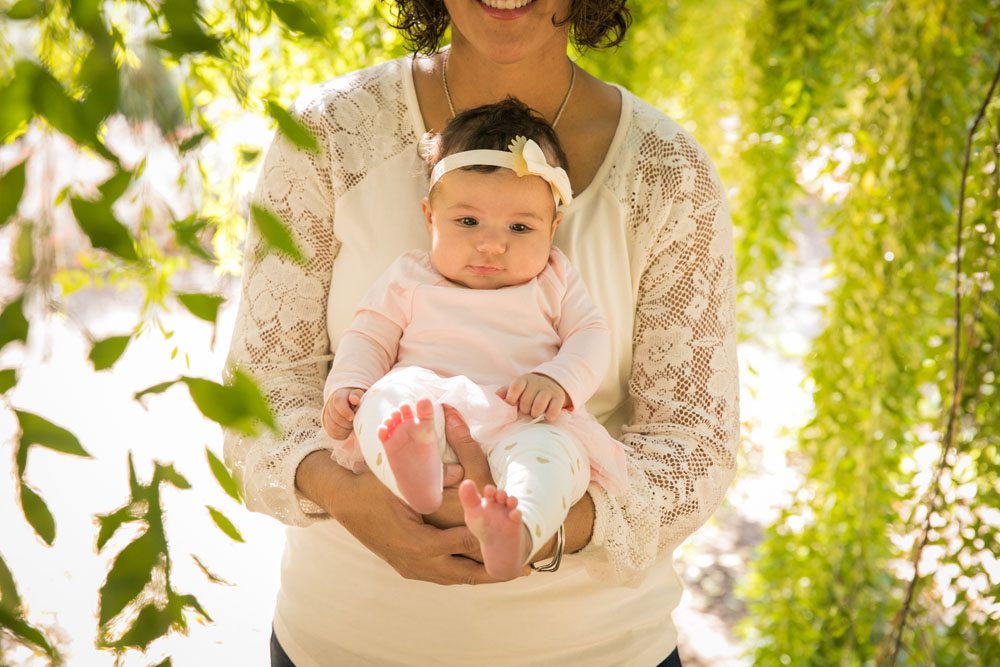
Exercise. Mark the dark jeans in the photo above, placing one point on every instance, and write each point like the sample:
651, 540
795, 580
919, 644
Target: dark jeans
280, 659
278, 656
673, 660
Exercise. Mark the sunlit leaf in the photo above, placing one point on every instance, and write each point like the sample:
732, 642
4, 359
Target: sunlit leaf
8, 378
100, 74
102, 228
13, 325
297, 17
137, 490
23, 250
211, 576
106, 352
224, 524
65, 114
191, 142
17, 626
87, 15
241, 402
37, 430
275, 233
110, 523
9, 597
167, 473
24, 9
289, 126
186, 33
115, 187
155, 389
204, 306
132, 570
239, 405
180, 44
223, 476
11, 189
191, 602
151, 623
186, 233
249, 154
37, 513
16, 110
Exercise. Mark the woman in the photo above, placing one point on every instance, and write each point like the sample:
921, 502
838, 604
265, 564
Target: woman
650, 234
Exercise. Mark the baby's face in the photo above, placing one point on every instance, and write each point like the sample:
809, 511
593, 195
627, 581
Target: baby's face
490, 230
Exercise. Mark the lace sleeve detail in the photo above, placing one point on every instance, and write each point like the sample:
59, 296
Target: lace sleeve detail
280, 336
684, 431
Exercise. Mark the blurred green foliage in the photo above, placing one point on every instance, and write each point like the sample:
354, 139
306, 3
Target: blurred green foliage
880, 93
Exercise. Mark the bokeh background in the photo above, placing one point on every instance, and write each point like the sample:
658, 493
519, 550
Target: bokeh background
859, 143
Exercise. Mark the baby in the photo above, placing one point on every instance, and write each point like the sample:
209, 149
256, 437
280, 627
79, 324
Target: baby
492, 321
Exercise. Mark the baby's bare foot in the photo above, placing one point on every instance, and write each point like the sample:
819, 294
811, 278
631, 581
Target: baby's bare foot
411, 449
496, 522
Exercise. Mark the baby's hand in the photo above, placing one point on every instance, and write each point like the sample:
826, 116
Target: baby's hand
338, 413
536, 395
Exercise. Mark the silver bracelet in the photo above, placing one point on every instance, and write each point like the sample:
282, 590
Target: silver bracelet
553, 564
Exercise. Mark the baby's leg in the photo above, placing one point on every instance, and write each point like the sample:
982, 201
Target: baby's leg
410, 442
541, 472
401, 443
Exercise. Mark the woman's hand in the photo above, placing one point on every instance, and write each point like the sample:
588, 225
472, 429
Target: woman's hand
473, 465
388, 527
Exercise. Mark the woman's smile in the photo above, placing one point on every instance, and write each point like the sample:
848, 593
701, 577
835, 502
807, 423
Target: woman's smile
506, 9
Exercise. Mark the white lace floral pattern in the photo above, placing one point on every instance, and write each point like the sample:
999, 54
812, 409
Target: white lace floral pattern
684, 425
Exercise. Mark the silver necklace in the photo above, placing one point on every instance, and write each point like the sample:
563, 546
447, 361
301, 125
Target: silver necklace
451, 105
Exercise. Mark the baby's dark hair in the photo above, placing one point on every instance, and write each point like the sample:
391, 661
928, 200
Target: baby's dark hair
492, 126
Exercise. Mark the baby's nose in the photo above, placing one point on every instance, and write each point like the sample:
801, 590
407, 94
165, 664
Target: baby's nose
491, 243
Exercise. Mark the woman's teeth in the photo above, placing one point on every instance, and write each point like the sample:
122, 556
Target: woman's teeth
505, 4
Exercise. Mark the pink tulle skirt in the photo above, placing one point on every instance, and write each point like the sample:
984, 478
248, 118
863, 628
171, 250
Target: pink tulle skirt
489, 417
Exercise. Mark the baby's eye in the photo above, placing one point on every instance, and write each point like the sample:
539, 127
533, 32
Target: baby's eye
520, 228
468, 222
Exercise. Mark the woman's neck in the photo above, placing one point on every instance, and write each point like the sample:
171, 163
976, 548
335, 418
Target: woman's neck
540, 81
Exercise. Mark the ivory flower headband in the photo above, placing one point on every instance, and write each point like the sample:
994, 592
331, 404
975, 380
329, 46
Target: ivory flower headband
524, 157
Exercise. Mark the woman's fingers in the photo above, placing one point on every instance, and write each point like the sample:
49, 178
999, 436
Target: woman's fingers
397, 535
453, 474
470, 454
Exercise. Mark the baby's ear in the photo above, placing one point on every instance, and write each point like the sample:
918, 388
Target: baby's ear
425, 206
555, 223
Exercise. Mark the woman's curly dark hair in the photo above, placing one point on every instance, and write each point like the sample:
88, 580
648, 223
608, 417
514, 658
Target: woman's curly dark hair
598, 24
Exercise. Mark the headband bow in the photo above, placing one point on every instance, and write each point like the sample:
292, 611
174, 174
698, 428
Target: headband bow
524, 157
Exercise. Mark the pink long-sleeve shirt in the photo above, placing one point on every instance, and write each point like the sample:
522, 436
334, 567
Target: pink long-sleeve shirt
414, 316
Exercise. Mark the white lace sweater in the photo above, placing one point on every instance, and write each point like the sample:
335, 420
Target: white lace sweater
652, 238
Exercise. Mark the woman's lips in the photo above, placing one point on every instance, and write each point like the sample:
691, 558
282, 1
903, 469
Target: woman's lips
498, 9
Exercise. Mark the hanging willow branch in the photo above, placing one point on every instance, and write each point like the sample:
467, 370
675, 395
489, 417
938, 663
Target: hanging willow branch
899, 623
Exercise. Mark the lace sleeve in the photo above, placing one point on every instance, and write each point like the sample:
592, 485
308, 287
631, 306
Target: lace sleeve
684, 430
280, 337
